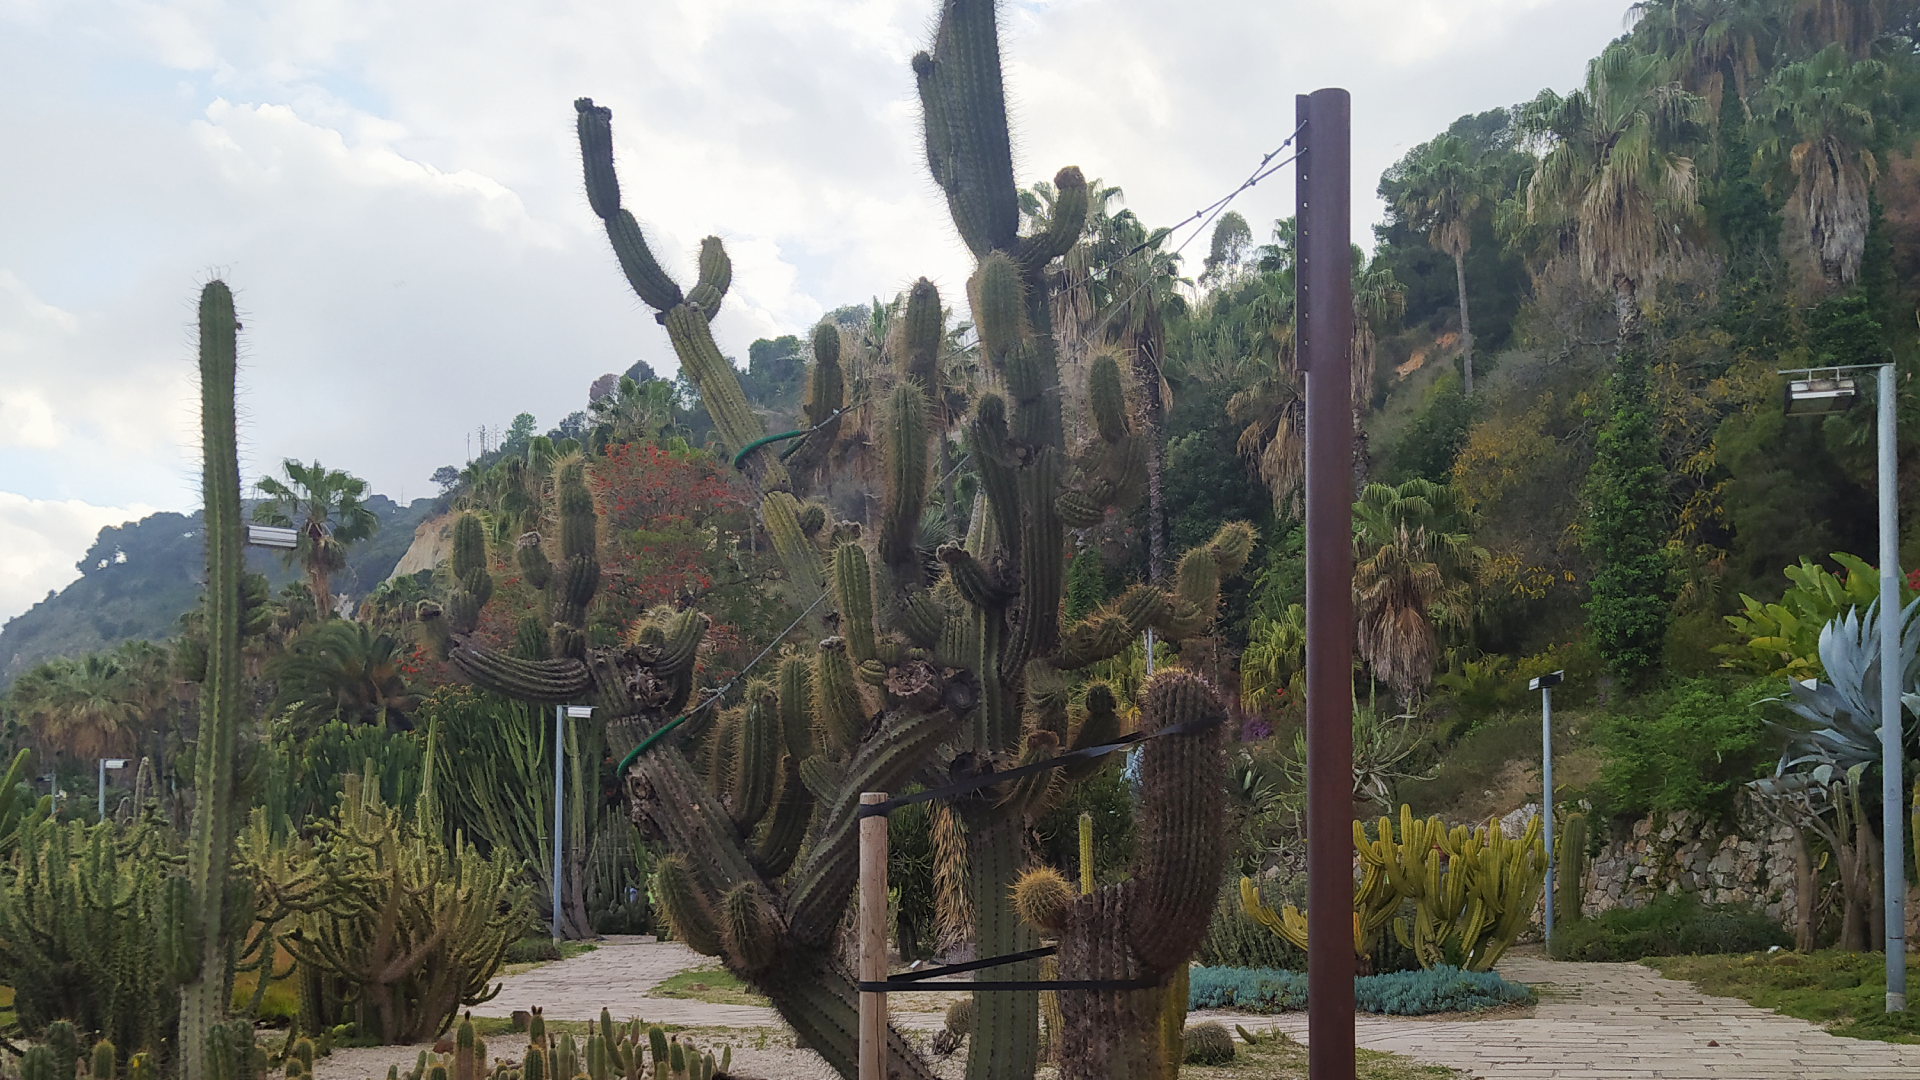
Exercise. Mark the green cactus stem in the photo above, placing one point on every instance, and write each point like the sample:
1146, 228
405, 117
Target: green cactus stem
716, 274
650, 283
720, 390
968, 146
204, 998
905, 493
1149, 926
853, 590
837, 703
786, 830
924, 330
1070, 202
999, 297
687, 909
756, 758
795, 547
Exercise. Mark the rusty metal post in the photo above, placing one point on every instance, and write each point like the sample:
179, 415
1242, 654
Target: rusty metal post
1324, 312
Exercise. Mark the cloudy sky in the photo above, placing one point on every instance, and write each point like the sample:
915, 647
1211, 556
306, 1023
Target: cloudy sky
392, 189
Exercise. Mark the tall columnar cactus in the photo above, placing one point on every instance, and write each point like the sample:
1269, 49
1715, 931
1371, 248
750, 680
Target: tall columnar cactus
1146, 927
208, 940
963, 648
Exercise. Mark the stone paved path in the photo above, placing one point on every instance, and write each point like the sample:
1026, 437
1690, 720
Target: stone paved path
1623, 1021
616, 975
1594, 1022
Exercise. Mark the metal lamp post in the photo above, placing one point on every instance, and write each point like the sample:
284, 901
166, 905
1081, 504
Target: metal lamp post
1818, 392
1545, 685
561, 713
105, 764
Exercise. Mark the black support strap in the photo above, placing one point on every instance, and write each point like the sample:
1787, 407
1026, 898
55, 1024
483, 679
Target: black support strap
975, 783
922, 980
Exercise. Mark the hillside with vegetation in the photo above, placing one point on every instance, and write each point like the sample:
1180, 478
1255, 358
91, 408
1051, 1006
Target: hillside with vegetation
928, 537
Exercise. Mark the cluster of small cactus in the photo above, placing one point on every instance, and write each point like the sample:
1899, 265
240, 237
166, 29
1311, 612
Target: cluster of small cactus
630, 1051
417, 926
1146, 927
1473, 890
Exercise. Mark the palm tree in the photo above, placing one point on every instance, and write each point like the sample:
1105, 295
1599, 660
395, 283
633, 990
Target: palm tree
1275, 659
1610, 179
325, 507
1852, 24
1413, 570
1708, 41
635, 410
1271, 412
86, 708
344, 669
1439, 195
1819, 116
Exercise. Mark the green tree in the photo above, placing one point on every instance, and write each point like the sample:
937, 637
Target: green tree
1612, 186
636, 411
324, 506
1628, 610
1440, 193
343, 669
1819, 123
1707, 42
86, 708
1414, 561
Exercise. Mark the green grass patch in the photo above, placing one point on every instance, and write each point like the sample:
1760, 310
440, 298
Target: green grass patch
1843, 991
1278, 1057
1672, 924
713, 984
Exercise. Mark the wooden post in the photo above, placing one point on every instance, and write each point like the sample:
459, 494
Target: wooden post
873, 939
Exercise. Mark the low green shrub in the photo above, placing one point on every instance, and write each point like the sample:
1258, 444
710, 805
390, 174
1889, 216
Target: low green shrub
1674, 924
1689, 747
1234, 940
532, 949
1259, 990
1400, 993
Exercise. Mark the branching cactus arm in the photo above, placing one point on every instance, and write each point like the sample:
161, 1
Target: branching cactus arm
1149, 926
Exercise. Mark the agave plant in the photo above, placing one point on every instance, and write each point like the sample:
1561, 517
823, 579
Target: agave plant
1842, 714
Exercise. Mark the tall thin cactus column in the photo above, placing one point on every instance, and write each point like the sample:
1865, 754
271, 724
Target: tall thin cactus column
206, 946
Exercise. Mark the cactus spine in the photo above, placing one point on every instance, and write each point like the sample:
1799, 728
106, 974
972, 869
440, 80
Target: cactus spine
204, 998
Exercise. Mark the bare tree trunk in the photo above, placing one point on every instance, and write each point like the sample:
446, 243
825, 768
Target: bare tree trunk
1803, 887
1146, 368
1466, 328
1626, 308
1876, 898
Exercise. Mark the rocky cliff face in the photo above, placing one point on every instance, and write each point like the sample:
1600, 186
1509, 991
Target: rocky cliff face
432, 540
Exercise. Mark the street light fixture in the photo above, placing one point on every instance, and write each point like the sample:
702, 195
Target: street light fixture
1819, 392
1545, 685
270, 536
105, 764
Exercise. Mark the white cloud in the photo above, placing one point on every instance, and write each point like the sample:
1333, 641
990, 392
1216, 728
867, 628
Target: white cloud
393, 189
41, 538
